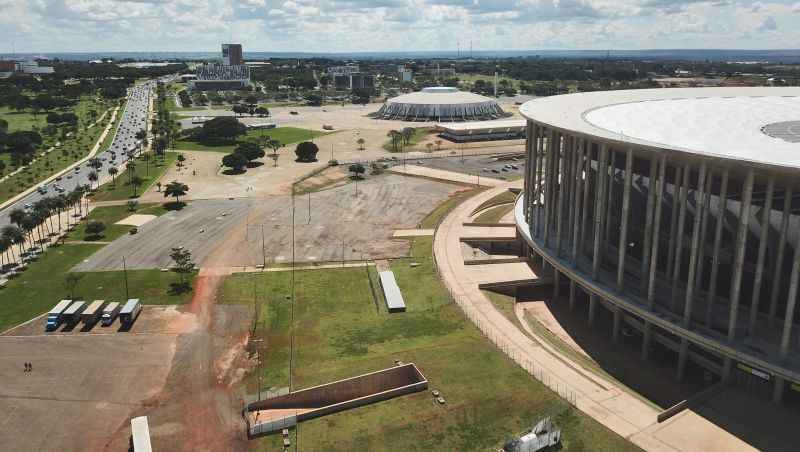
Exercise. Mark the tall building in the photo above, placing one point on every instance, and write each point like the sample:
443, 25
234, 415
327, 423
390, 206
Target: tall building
220, 77
232, 55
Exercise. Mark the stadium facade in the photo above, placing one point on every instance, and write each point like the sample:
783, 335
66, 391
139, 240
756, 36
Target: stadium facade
671, 214
440, 104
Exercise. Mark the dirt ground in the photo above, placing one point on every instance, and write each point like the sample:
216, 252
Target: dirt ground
341, 224
85, 386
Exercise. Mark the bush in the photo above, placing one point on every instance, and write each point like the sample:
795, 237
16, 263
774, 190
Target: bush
333, 162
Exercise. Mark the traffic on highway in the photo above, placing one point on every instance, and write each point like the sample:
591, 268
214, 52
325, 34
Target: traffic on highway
134, 118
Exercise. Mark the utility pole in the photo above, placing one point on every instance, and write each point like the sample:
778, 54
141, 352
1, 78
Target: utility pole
291, 299
309, 207
125, 274
263, 248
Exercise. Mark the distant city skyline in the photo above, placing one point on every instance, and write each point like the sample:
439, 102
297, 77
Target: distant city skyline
394, 25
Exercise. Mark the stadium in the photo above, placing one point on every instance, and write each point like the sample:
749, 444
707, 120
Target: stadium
671, 213
440, 104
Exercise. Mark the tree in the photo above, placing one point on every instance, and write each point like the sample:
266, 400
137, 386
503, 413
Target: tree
71, 281
223, 128
250, 151
92, 176
132, 204
235, 161
141, 134
262, 111
314, 100
407, 133
360, 142
136, 182
181, 159
183, 266
94, 229
113, 171
239, 109
429, 146
306, 152
158, 186
176, 189
357, 169
438, 145
396, 138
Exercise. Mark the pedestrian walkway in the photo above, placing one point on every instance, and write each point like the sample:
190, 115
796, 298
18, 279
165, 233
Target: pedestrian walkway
596, 396
447, 176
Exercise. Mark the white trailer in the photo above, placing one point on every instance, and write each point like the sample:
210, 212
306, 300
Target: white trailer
73, 313
91, 314
129, 312
110, 313
56, 315
140, 434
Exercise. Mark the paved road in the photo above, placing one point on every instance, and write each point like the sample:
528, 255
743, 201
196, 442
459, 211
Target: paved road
134, 118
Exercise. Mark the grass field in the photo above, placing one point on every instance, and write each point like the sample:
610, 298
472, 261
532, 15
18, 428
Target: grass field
419, 134
433, 218
341, 330
110, 215
286, 135
22, 120
120, 189
42, 285
494, 214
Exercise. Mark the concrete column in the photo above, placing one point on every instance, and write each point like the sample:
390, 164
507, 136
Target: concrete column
615, 331
556, 284
549, 185
791, 302
592, 308
738, 261
673, 219
600, 210
778, 268
537, 186
727, 367
577, 216
777, 390
561, 191
651, 284
587, 187
677, 266
571, 294
711, 297
571, 183
529, 160
704, 228
762, 251
683, 352
609, 205
648, 224
648, 332
690, 279
623, 233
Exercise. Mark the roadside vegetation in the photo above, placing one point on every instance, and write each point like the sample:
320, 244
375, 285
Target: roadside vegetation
225, 134
432, 219
140, 173
342, 329
407, 139
108, 215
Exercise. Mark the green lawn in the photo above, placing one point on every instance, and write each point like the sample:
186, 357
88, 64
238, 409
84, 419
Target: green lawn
23, 120
419, 134
494, 214
110, 215
120, 189
286, 135
433, 218
342, 331
42, 285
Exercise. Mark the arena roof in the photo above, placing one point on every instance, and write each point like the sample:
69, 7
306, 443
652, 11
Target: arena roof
715, 122
440, 104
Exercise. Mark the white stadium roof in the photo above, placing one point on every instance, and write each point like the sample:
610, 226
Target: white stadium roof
440, 103
715, 122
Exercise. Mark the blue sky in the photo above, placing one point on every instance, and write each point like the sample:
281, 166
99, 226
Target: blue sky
387, 25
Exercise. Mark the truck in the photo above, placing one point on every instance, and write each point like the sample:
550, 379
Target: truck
55, 316
130, 311
91, 314
110, 313
72, 314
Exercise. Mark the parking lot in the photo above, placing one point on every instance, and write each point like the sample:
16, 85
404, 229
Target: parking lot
341, 225
495, 166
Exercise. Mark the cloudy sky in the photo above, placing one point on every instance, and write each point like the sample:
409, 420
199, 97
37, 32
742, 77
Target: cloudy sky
375, 25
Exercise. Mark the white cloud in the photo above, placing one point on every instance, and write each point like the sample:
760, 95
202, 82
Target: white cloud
361, 25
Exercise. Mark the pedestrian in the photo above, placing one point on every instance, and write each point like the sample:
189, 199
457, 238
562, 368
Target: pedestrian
30, 367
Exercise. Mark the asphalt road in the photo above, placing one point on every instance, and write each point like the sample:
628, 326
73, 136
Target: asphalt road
134, 118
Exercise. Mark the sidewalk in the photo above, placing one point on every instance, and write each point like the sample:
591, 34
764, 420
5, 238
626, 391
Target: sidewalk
596, 396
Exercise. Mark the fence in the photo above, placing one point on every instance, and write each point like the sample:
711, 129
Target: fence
506, 345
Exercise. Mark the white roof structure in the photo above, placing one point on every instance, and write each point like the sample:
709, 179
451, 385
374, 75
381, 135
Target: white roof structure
759, 125
440, 103
480, 126
391, 292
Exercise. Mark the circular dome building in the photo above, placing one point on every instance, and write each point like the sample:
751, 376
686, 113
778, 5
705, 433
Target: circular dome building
673, 214
440, 103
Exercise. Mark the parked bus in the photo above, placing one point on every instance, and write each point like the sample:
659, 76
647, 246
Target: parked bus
110, 313
92, 312
73, 313
56, 315
130, 311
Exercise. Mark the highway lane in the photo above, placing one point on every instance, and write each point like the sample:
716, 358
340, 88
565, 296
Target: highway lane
134, 118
